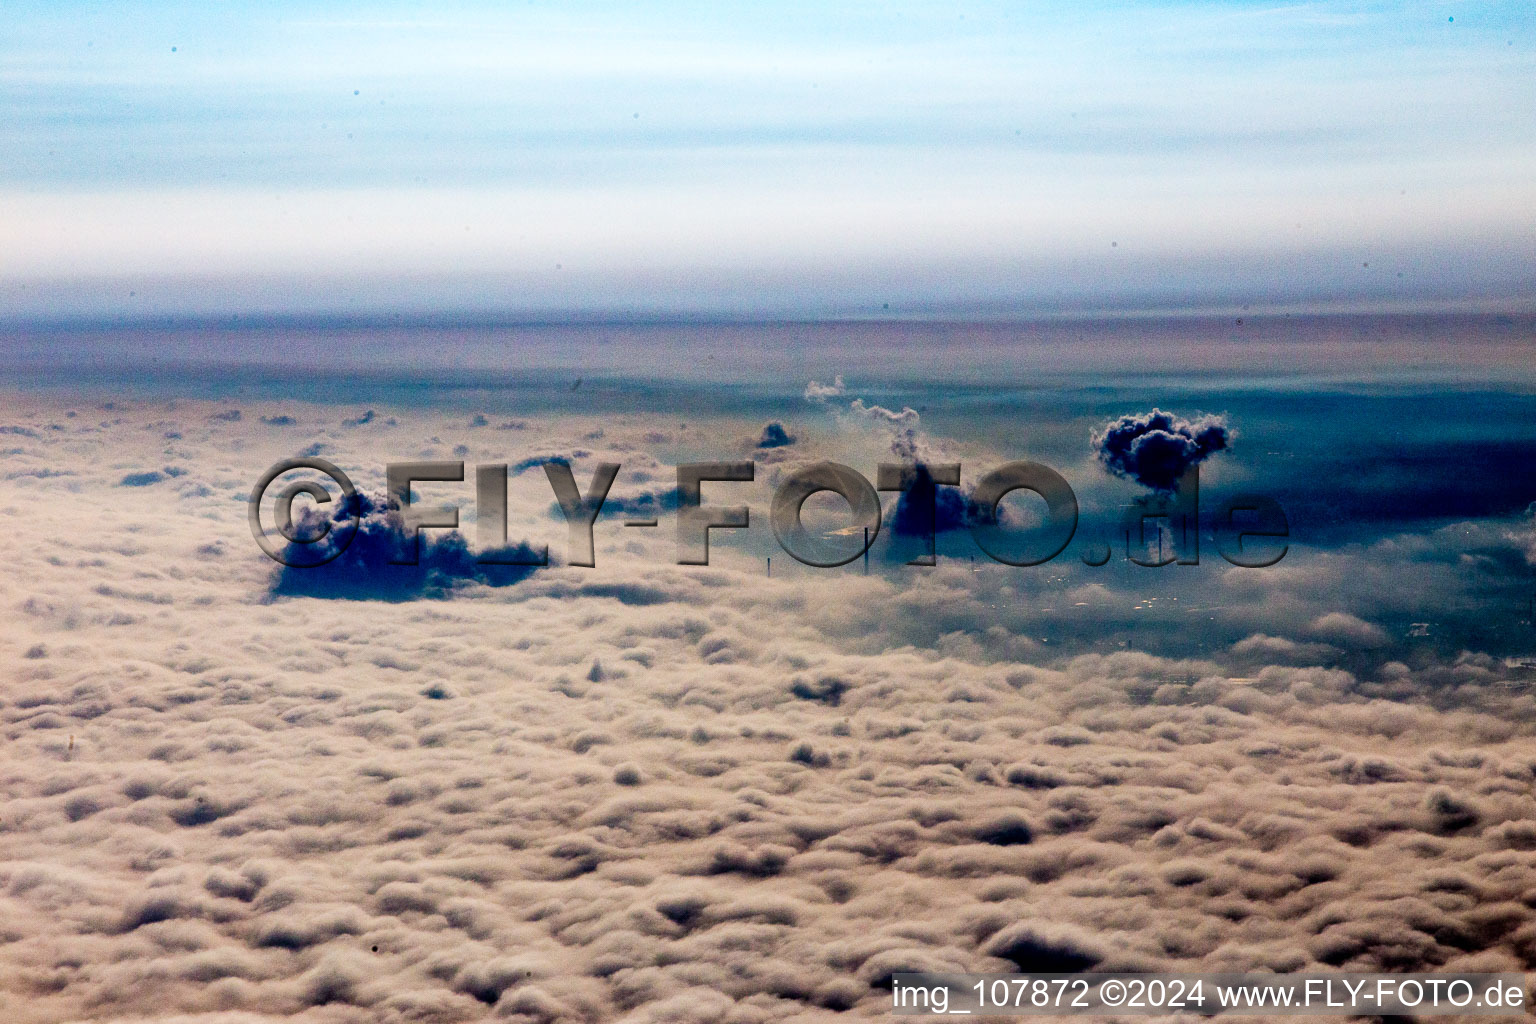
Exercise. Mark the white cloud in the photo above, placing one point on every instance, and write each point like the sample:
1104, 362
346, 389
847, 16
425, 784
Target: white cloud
645, 790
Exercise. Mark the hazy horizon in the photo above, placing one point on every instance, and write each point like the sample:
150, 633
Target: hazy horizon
801, 161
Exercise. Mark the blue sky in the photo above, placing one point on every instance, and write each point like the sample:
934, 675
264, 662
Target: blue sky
768, 159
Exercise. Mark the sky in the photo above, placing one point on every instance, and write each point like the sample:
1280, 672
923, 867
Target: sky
767, 160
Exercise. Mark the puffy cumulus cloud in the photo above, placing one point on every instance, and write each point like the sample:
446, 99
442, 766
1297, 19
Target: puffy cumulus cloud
1156, 448
816, 391
1263, 649
653, 792
1347, 630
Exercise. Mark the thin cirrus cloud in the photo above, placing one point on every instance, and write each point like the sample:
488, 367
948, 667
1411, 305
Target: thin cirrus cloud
783, 160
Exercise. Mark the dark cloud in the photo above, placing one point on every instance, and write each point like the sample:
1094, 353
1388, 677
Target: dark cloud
927, 508
1156, 448
534, 461
646, 503
1033, 948
153, 476
775, 436
365, 570
38, 474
